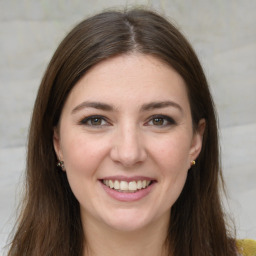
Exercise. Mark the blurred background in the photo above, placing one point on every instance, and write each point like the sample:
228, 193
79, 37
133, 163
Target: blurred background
223, 33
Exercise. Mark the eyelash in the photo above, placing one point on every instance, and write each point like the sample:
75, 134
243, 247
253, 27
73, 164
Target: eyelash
88, 119
167, 121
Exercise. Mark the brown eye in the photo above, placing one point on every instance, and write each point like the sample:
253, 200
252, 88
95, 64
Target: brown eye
161, 121
96, 121
158, 121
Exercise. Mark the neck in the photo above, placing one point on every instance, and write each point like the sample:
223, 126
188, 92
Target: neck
104, 240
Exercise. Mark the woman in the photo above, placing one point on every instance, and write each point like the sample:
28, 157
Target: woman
125, 111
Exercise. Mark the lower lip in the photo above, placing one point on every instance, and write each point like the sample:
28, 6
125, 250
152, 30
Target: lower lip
128, 197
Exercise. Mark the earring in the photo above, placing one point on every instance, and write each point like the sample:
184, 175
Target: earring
61, 165
193, 163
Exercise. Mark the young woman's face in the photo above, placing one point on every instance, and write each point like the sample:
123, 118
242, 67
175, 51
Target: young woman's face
127, 142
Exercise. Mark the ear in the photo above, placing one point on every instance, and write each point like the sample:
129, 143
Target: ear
56, 143
197, 140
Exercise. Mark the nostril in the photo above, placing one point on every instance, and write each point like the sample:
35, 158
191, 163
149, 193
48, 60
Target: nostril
128, 150
128, 158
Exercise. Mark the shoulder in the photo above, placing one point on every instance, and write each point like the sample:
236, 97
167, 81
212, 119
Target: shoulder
246, 247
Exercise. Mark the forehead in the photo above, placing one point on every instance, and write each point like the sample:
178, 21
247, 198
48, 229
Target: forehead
125, 78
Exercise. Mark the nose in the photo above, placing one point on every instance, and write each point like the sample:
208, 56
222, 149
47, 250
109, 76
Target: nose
128, 148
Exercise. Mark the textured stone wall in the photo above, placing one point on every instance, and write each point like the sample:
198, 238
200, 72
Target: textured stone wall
223, 34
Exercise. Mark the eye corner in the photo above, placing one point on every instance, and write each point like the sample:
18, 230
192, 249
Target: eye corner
161, 121
95, 121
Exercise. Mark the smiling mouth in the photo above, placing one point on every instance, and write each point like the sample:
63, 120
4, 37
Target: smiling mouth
127, 187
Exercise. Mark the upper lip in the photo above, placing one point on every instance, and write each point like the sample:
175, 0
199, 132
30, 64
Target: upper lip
128, 179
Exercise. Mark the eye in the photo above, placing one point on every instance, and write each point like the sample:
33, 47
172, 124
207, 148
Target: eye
160, 120
94, 121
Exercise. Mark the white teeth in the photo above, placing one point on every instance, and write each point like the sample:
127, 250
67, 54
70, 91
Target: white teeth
111, 184
132, 186
124, 186
139, 184
116, 185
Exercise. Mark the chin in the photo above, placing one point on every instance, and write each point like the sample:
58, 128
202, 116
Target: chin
127, 221
127, 226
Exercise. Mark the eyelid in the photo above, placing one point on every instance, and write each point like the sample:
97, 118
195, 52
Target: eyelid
84, 121
169, 119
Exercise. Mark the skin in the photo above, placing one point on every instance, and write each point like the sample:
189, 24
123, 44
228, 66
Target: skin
131, 138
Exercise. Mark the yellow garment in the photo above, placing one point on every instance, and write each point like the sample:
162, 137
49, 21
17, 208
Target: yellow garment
246, 247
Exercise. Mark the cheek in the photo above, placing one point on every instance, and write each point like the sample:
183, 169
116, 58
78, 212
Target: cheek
174, 158
82, 158
82, 155
173, 152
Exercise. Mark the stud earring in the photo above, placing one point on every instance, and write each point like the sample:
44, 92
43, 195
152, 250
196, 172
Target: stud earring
193, 163
61, 165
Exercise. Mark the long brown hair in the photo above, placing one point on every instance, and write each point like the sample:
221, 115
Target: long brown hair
50, 220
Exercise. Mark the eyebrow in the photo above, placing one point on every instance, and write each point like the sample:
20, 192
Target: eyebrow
97, 105
161, 104
145, 107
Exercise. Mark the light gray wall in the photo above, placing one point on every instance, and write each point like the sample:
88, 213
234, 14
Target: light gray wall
223, 34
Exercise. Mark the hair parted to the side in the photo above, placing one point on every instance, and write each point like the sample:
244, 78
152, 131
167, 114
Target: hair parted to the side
50, 221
